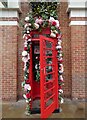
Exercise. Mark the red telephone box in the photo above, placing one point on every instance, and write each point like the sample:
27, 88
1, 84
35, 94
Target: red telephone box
47, 89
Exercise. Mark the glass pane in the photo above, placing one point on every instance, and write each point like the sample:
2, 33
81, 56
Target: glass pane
49, 69
48, 94
48, 60
49, 85
48, 44
49, 77
48, 53
49, 102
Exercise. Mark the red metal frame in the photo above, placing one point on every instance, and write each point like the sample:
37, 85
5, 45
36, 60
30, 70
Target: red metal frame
35, 87
46, 111
37, 90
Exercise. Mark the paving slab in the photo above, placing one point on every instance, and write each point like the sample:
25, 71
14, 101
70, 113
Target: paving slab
70, 109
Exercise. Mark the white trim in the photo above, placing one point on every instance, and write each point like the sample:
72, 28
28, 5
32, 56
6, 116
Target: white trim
9, 13
9, 23
77, 4
78, 13
13, 3
78, 23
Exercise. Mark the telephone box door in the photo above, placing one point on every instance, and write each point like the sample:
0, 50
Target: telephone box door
48, 76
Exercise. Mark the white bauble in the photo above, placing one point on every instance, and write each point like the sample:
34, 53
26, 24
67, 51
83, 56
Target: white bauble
62, 100
26, 25
28, 56
28, 31
62, 69
60, 55
55, 31
36, 67
29, 88
58, 47
25, 43
57, 23
27, 101
51, 19
59, 43
53, 35
36, 25
61, 77
24, 36
24, 96
24, 53
27, 19
29, 40
60, 90
25, 59
40, 21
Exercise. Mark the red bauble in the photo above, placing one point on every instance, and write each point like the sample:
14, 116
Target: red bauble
60, 87
60, 36
53, 23
25, 48
60, 61
27, 37
57, 35
28, 95
31, 33
27, 81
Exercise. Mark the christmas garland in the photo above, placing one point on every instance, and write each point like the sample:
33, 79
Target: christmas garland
60, 68
38, 23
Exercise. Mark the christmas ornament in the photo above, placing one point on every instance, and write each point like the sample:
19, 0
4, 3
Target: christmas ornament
53, 35
60, 91
24, 53
36, 25
27, 19
51, 19
62, 100
27, 87
39, 21
57, 23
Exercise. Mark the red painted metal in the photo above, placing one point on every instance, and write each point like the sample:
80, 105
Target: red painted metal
35, 87
31, 75
45, 90
44, 31
47, 110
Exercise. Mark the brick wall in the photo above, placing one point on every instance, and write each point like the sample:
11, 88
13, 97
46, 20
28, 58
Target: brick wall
78, 61
9, 62
0, 64
85, 61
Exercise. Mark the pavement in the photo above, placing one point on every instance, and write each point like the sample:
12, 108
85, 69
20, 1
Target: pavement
70, 109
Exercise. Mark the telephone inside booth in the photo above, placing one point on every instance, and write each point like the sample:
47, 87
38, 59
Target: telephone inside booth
43, 73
